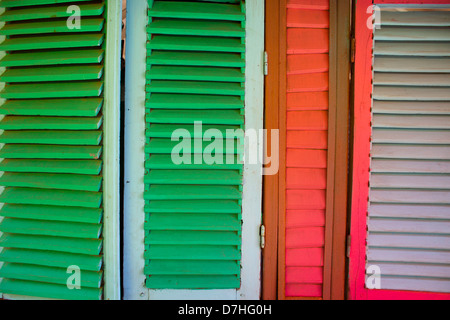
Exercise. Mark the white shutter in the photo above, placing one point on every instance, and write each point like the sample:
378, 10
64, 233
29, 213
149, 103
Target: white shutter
409, 201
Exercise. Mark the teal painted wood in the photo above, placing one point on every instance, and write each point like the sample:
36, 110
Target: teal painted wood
52, 217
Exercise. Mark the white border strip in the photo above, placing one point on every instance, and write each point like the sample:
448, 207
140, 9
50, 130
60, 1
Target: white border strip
111, 154
254, 120
134, 216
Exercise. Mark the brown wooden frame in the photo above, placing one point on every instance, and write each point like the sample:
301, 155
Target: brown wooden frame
274, 199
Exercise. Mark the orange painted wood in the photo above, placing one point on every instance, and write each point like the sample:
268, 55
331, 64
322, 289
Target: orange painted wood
303, 158
310, 82
304, 257
305, 218
307, 120
305, 199
307, 139
271, 182
303, 290
309, 4
301, 41
307, 101
307, 63
305, 275
301, 18
308, 237
306, 178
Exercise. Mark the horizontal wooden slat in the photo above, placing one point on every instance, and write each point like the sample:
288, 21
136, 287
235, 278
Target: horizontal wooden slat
193, 206
48, 290
52, 181
412, 79
51, 197
180, 192
420, 284
412, 34
52, 42
307, 237
414, 270
409, 255
411, 107
193, 282
192, 252
32, 151
195, 28
407, 166
51, 259
412, 64
195, 43
52, 213
412, 152
91, 279
406, 49
47, 12
24, 3
89, 107
409, 211
193, 238
409, 226
415, 19
192, 267
411, 93
79, 89
37, 241
50, 26
410, 136
196, 10
410, 196
418, 241
192, 221
53, 57
51, 123
42, 74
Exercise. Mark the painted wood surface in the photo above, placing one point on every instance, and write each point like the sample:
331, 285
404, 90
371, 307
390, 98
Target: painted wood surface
404, 239
307, 142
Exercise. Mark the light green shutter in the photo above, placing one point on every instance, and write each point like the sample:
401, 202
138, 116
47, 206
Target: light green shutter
52, 157
409, 202
195, 73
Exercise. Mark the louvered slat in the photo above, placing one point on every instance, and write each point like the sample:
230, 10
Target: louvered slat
409, 201
52, 131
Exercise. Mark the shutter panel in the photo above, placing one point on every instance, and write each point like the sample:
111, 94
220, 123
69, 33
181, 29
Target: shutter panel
52, 154
409, 201
307, 97
195, 73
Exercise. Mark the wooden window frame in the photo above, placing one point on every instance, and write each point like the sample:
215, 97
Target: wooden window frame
361, 160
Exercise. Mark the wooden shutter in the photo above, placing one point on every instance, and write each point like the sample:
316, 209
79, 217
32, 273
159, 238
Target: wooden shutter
195, 72
306, 147
409, 201
407, 135
52, 155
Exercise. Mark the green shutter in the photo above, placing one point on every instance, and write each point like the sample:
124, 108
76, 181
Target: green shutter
52, 154
195, 73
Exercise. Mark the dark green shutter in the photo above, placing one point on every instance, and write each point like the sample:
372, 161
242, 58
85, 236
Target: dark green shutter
195, 72
52, 216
